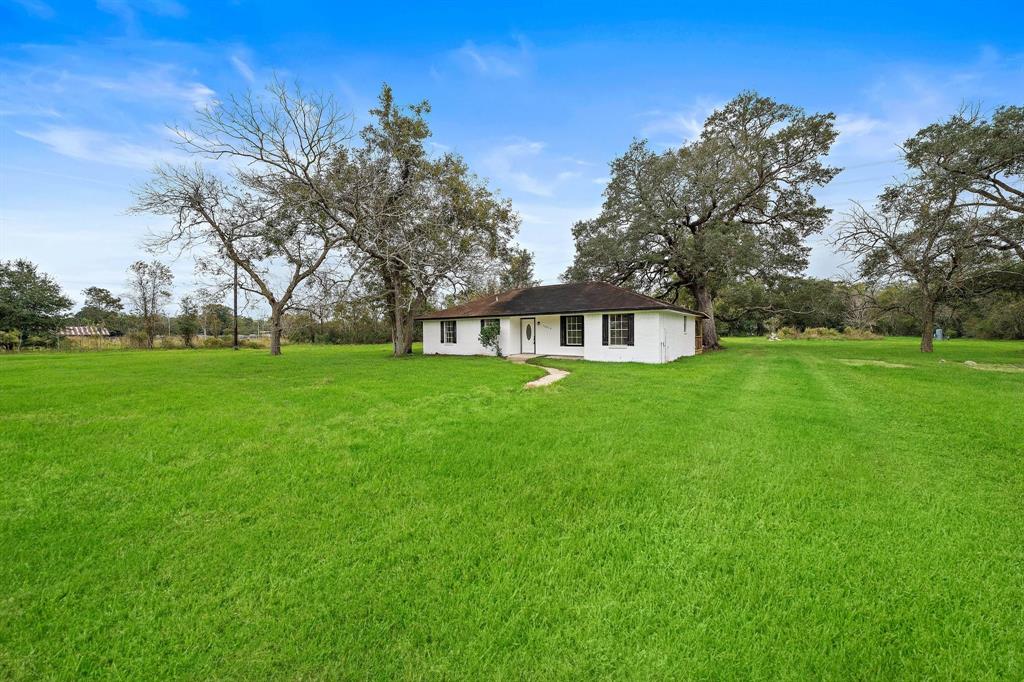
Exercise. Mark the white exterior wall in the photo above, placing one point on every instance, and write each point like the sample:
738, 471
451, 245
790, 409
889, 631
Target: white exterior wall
549, 336
658, 336
646, 339
467, 337
679, 334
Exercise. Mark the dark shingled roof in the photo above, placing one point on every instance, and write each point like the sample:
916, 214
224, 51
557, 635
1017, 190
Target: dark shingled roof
585, 297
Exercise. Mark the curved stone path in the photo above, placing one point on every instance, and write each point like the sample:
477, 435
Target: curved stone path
551, 377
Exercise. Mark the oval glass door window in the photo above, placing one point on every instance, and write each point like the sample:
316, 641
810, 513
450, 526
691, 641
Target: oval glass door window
528, 332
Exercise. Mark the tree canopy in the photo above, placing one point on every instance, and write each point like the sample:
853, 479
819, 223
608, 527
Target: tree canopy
31, 303
305, 196
918, 233
983, 157
425, 224
149, 290
735, 202
100, 308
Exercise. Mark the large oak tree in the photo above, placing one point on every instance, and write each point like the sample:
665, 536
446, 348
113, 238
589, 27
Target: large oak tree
735, 202
984, 158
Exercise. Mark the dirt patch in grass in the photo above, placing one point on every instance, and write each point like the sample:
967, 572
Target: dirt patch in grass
991, 367
873, 363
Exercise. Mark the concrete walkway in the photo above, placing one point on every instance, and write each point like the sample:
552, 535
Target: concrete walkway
552, 376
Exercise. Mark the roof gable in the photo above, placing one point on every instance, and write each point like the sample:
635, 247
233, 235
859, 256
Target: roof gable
579, 297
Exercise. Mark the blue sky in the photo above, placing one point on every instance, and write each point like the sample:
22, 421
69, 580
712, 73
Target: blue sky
537, 98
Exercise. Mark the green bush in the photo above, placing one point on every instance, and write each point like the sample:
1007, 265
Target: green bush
10, 339
36, 341
490, 337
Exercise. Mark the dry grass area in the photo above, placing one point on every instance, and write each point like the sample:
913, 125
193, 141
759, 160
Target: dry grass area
873, 363
991, 367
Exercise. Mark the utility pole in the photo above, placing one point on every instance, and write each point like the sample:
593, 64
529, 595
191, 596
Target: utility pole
235, 344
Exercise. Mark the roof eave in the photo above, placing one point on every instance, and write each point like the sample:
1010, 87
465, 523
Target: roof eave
576, 311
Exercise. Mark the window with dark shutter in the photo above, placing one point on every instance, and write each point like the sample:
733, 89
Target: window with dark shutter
448, 331
620, 329
572, 330
604, 330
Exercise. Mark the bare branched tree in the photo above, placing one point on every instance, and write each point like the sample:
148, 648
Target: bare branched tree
262, 213
300, 200
920, 234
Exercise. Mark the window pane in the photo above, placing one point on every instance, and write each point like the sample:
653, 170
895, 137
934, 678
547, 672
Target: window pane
618, 330
574, 330
449, 331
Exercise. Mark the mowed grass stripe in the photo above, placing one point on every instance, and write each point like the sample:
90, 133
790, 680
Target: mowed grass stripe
764, 512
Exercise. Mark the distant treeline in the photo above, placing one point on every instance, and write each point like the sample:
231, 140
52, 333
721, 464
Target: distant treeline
753, 308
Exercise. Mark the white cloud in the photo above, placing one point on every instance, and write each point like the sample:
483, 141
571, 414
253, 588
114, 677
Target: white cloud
242, 67
57, 80
495, 61
682, 126
853, 125
94, 145
522, 166
528, 183
506, 161
37, 8
159, 82
546, 230
128, 10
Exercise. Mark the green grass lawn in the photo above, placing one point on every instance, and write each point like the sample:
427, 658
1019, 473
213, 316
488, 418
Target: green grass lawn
768, 511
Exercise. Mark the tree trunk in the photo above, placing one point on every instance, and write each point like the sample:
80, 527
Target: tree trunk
402, 325
706, 305
276, 327
927, 328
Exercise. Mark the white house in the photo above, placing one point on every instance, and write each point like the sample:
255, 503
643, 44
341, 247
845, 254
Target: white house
590, 320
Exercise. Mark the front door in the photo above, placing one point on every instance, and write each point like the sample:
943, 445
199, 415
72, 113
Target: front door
528, 335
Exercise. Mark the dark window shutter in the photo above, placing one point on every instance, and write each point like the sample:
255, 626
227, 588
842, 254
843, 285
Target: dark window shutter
482, 324
583, 330
629, 329
561, 328
455, 332
442, 330
604, 330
